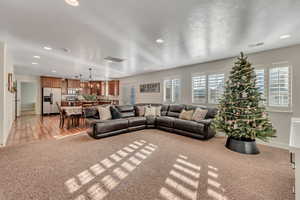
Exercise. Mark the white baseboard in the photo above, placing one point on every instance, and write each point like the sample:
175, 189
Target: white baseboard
274, 144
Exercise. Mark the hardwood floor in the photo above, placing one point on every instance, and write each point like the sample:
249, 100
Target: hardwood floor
34, 127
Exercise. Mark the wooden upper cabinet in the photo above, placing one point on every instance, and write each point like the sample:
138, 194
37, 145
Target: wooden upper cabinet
113, 88
72, 83
51, 82
56, 83
64, 87
46, 82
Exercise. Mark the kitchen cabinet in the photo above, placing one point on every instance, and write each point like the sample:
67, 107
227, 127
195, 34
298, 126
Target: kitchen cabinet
64, 87
113, 88
73, 83
51, 82
56, 83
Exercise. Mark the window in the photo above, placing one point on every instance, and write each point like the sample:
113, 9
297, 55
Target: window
279, 85
199, 89
260, 81
215, 88
172, 90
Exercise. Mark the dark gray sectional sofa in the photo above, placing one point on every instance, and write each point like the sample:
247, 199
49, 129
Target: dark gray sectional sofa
125, 120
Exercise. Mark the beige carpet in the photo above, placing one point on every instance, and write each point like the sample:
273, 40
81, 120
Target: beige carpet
149, 164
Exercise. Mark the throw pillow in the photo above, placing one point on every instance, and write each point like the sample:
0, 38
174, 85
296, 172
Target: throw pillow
104, 112
140, 111
150, 111
115, 114
186, 114
199, 114
158, 111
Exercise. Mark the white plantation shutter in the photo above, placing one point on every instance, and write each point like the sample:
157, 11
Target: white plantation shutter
215, 88
279, 86
168, 90
199, 89
260, 81
175, 90
172, 91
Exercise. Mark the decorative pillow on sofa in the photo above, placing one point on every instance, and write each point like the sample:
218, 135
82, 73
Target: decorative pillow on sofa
150, 111
186, 114
157, 111
140, 111
104, 112
115, 114
199, 114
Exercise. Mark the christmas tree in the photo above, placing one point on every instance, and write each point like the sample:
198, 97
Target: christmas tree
242, 114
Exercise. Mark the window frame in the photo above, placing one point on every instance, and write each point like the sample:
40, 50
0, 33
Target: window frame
208, 89
173, 78
205, 87
280, 108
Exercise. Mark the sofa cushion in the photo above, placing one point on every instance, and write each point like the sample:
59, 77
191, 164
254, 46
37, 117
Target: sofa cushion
127, 114
194, 107
164, 109
150, 120
126, 111
189, 126
125, 108
111, 125
104, 112
186, 114
211, 113
136, 121
165, 121
175, 110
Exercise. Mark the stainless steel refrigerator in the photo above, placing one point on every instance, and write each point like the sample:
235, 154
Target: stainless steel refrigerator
50, 97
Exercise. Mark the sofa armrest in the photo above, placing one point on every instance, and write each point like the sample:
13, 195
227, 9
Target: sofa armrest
206, 122
209, 131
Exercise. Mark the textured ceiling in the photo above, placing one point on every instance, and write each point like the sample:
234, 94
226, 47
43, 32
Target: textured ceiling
194, 31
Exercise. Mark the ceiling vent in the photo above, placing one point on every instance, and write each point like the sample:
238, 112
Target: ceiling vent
256, 44
113, 59
66, 50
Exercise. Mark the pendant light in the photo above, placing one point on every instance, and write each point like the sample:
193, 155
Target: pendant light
90, 78
81, 83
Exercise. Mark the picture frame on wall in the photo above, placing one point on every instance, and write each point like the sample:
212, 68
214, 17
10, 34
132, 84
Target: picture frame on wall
10, 83
150, 88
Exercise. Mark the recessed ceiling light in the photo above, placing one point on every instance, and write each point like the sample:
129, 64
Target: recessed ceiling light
285, 36
72, 2
34, 63
47, 48
37, 57
160, 41
53, 71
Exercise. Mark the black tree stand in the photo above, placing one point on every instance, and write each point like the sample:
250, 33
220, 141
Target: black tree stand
242, 146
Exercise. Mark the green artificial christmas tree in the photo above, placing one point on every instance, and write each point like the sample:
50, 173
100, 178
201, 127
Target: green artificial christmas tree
242, 114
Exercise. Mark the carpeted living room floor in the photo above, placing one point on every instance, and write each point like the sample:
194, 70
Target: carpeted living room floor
142, 165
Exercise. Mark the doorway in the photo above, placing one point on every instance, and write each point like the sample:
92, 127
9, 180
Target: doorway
28, 96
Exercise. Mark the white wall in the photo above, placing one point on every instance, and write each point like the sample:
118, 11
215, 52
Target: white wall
6, 98
34, 80
281, 120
